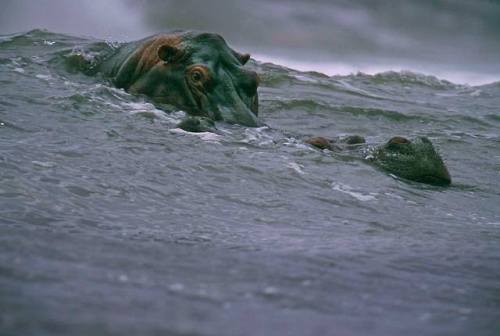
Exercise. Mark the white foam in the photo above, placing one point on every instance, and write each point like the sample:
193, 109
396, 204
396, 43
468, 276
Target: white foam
346, 189
205, 136
296, 167
258, 136
44, 164
44, 77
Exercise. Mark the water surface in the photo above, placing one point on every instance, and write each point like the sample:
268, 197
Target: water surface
112, 221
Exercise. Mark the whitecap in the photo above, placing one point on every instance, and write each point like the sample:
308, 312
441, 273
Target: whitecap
296, 167
44, 77
346, 189
205, 136
258, 136
476, 93
44, 164
305, 79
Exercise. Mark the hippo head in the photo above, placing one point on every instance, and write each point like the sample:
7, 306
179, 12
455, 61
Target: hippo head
415, 160
197, 72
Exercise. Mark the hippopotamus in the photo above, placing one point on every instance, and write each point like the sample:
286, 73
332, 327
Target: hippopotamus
193, 71
415, 160
200, 74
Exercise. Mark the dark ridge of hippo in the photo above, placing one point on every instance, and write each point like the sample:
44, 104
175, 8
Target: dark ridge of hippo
323, 143
415, 160
196, 72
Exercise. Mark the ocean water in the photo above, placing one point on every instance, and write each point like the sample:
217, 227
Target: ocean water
115, 222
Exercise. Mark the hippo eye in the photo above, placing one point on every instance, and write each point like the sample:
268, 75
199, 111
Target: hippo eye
199, 77
196, 76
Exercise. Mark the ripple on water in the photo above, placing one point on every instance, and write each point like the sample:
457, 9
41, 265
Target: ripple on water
346, 189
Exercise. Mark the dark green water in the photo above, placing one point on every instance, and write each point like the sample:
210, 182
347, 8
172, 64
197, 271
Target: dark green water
112, 222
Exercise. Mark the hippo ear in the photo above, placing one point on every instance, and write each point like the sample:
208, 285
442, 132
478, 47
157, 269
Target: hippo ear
243, 58
168, 53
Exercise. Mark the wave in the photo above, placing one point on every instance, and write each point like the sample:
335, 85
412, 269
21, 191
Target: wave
275, 74
322, 108
491, 88
278, 75
391, 95
403, 78
406, 77
39, 37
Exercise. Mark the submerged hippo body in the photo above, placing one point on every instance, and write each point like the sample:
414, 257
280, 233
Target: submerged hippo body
195, 72
415, 160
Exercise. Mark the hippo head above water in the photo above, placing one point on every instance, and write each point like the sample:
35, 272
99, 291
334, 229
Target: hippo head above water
415, 160
196, 72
